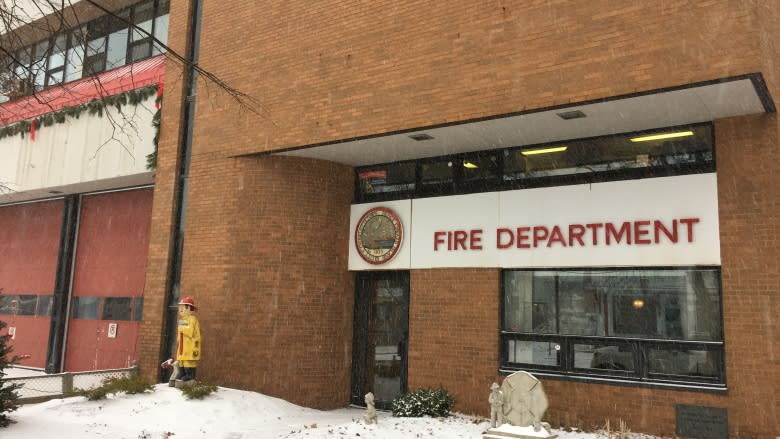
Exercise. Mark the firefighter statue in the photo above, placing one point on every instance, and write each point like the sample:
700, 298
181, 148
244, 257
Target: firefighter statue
496, 400
188, 349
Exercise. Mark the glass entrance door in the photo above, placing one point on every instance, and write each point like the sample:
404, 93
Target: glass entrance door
380, 336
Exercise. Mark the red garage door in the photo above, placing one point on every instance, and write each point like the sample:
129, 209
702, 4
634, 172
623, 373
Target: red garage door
108, 280
29, 243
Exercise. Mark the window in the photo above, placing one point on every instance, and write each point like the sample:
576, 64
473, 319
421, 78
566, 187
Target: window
655, 153
14, 74
139, 307
39, 65
22, 66
27, 305
101, 44
7, 304
612, 154
637, 324
161, 26
19, 305
117, 308
75, 56
55, 70
140, 39
44, 306
480, 172
437, 176
116, 46
85, 307
95, 58
392, 178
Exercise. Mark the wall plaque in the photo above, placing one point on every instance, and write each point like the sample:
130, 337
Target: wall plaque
702, 422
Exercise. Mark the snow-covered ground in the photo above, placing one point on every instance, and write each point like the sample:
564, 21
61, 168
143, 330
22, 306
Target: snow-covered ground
226, 414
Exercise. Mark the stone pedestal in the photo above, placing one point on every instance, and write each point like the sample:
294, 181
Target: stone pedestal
524, 399
507, 431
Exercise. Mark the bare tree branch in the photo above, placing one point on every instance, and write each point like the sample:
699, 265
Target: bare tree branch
48, 18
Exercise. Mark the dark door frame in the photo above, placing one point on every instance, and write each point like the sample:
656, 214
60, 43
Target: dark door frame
359, 385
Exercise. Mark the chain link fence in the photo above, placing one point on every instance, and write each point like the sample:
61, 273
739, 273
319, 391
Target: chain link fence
44, 387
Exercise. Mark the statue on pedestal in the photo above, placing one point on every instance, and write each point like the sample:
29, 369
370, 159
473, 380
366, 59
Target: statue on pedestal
519, 404
496, 401
370, 416
188, 347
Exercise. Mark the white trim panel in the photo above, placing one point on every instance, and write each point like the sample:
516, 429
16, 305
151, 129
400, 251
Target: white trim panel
667, 221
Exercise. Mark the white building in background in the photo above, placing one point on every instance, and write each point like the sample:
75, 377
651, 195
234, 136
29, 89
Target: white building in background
77, 107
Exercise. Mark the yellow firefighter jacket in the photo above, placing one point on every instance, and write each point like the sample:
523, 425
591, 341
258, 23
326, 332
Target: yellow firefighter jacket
188, 341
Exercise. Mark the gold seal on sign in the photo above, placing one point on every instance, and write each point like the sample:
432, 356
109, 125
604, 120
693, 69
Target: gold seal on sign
378, 235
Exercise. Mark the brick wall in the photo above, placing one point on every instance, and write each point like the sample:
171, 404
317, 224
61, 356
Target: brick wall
341, 69
165, 186
453, 333
748, 161
265, 258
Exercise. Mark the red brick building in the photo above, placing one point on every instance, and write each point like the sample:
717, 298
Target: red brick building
441, 193
429, 110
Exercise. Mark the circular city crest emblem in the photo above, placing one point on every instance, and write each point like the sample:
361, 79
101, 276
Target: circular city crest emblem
378, 235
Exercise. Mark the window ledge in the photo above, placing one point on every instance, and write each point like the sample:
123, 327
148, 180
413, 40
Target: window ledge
690, 387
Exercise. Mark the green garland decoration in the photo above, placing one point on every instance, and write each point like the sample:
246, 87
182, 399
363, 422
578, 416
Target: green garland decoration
94, 107
151, 159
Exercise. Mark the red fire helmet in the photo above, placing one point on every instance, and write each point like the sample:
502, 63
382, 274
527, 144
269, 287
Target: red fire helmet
187, 300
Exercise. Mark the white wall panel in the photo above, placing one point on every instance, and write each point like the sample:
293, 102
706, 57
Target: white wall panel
83, 150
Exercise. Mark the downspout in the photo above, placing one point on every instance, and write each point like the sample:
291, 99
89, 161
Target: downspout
183, 171
55, 355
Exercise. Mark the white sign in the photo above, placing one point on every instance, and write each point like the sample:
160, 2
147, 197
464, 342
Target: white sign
112, 330
648, 222
455, 231
12, 332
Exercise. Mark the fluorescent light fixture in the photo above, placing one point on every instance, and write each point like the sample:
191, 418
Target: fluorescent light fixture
469, 165
662, 136
544, 150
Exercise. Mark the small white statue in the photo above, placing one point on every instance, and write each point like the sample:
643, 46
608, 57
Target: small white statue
496, 401
370, 416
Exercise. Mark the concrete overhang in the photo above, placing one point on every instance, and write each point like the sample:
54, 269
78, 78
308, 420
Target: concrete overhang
133, 181
683, 105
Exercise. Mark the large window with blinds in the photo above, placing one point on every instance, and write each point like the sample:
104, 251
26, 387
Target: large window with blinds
642, 325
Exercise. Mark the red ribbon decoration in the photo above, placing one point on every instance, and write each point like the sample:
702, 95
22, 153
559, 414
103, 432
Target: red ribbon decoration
159, 95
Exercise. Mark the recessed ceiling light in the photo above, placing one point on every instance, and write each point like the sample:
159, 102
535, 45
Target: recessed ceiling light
420, 137
574, 114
